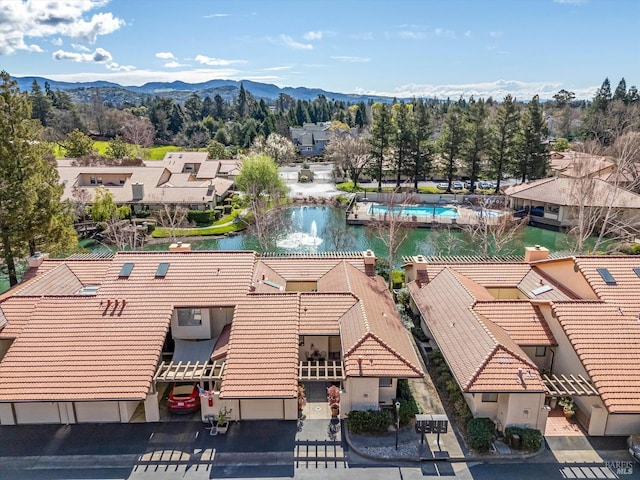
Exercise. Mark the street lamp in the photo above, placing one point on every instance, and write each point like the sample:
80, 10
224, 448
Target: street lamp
397, 422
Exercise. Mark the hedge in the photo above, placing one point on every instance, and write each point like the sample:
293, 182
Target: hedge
202, 217
369, 421
408, 405
531, 439
480, 433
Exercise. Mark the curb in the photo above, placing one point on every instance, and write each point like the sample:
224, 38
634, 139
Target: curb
475, 458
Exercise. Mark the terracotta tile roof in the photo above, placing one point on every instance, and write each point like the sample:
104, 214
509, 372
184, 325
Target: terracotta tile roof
222, 344
17, 312
487, 274
72, 348
522, 321
625, 291
480, 354
270, 276
195, 278
334, 280
607, 342
300, 268
321, 312
262, 359
538, 286
60, 280
382, 325
563, 191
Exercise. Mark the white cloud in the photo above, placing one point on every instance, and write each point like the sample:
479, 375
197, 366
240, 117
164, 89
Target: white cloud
82, 48
312, 36
347, 59
217, 15
175, 64
495, 34
57, 41
287, 41
497, 89
216, 62
120, 68
34, 48
467, 34
53, 18
362, 36
412, 35
99, 56
443, 32
278, 69
166, 55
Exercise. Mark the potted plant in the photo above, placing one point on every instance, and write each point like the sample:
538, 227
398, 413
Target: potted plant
333, 397
568, 407
223, 420
302, 398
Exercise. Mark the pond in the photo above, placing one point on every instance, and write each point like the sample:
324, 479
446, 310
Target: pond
322, 229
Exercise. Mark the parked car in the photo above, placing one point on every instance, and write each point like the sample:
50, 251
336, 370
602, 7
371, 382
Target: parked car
457, 186
442, 186
183, 398
634, 447
484, 185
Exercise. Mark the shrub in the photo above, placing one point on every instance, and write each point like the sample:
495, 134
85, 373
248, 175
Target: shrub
531, 439
370, 421
201, 217
397, 278
480, 432
408, 405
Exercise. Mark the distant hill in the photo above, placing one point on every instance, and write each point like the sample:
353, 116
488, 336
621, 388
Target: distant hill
179, 91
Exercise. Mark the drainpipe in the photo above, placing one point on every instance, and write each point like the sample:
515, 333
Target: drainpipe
553, 356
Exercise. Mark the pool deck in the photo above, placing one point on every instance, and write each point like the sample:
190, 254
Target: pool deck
359, 215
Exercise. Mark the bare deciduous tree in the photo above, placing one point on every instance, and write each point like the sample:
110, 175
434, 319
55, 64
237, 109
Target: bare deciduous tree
494, 227
123, 234
172, 217
81, 198
140, 132
603, 212
350, 155
392, 226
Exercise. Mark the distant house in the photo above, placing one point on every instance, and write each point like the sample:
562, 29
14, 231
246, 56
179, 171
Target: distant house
311, 139
555, 201
517, 336
190, 179
89, 339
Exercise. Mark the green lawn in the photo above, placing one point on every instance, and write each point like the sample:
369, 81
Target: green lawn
152, 153
219, 227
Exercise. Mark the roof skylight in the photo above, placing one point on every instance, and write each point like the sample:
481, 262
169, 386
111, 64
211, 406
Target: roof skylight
163, 268
606, 276
126, 270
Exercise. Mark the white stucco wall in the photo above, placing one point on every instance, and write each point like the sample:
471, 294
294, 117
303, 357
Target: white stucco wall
563, 272
88, 412
526, 410
199, 332
363, 393
622, 424
6, 414
387, 394
262, 409
481, 409
37, 412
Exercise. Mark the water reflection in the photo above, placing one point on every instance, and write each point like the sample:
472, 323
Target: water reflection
327, 226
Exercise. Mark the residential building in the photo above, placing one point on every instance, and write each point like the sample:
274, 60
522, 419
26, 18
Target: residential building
519, 335
89, 339
189, 179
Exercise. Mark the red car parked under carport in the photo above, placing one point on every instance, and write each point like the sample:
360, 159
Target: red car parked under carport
183, 398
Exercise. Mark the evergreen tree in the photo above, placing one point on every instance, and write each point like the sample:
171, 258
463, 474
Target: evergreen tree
380, 139
219, 108
602, 97
620, 92
401, 140
31, 212
420, 153
40, 103
506, 126
451, 140
534, 157
77, 144
193, 108
477, 145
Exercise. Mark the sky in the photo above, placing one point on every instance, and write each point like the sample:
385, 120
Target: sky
403, 48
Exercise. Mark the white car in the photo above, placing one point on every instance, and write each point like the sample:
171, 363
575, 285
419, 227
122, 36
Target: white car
633, 443
442, 186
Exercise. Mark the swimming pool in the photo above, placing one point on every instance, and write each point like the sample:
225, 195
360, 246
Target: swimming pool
424, 211
418, 211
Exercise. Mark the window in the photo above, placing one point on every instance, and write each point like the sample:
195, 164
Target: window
489, 397
99, 180
122, 180
189, 317
541, 351
385, 382
92, 180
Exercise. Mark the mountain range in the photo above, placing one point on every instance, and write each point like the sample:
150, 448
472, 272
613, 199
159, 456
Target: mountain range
178, 91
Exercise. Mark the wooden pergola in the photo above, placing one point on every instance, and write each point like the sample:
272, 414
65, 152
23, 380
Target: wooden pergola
189, 372
568, 385
321, 371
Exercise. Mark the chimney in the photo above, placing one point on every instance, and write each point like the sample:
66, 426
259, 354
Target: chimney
536, 253
137, 191
180, 247
417, 270
369, 262
36, 260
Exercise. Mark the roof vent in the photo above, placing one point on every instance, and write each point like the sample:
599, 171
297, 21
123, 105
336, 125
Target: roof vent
541, 290
88, 290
